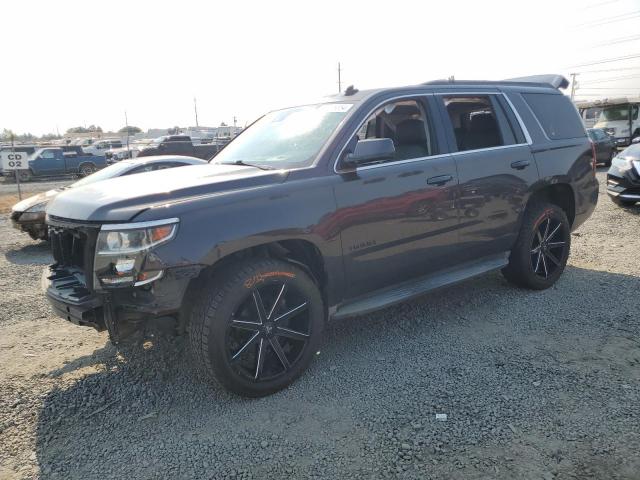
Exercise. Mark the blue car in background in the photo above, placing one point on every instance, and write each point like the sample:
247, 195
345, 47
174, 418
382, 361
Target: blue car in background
56, 161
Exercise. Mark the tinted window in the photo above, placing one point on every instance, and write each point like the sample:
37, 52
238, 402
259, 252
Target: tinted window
557, 115
404, 122
474, 122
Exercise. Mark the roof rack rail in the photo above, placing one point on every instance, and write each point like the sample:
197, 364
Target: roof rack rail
556, 81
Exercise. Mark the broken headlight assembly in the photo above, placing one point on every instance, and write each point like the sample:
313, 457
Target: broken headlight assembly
122, 252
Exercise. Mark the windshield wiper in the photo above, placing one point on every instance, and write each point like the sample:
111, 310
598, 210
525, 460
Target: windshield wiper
245, 164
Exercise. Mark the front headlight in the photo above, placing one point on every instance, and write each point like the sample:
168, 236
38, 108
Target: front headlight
622, 164
38, 207
135, 237
121, 249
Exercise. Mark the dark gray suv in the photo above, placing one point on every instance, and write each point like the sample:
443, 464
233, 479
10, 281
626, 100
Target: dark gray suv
328, 210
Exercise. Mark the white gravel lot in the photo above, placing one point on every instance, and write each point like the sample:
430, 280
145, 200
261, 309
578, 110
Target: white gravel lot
535, 385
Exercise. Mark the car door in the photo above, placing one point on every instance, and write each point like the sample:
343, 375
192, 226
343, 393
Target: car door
50, 162
495, 170
397, 218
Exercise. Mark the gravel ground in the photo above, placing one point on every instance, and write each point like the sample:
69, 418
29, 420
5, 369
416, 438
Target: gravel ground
535, 385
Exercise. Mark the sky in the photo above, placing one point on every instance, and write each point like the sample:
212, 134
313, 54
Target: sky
70, 63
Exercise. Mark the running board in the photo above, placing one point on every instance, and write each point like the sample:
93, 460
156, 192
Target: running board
414, 288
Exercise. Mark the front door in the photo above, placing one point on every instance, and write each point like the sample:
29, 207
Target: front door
495, 170
50, 162
397, 218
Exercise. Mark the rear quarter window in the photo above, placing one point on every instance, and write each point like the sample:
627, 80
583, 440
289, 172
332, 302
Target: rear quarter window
557, 115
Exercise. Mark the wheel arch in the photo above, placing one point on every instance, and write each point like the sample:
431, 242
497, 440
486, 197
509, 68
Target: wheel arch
86, 162
560, 194
300, 252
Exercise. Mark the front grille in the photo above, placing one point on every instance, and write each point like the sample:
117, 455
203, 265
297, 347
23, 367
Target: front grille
73, 248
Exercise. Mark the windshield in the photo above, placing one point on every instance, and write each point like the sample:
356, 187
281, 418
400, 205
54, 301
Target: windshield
285, 138
620, 112
111, 171
158, 140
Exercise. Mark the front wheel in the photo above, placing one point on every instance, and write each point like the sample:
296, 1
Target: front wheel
256, 326
542, 249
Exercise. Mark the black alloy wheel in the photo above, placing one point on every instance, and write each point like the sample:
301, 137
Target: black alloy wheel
256, 325
268, 332
548, 248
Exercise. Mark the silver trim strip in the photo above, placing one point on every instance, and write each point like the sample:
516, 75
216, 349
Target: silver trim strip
136, 225
629, 196
414, 95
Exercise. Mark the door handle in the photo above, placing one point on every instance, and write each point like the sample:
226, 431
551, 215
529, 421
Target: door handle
520, 164
439, 180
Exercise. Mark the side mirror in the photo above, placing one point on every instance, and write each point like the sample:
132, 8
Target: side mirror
370, 150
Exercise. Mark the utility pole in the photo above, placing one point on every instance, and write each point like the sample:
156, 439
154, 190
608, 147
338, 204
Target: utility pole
573, 85
339, 79
195, 108
235, 122
126, 125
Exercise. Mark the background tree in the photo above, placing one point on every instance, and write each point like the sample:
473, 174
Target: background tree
132, 130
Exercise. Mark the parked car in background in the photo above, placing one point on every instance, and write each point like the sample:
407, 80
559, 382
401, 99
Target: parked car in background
623, 178
61, 161
101, 147
605, 145
325, 211
178, 145
29, 214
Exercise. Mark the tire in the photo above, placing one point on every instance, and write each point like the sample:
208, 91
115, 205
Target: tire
25, 175
242, 349
541, 252
87, 169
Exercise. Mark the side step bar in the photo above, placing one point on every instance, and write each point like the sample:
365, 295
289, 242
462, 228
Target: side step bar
414, 288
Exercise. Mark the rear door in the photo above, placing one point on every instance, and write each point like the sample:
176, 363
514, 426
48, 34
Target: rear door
495, 169
397, 218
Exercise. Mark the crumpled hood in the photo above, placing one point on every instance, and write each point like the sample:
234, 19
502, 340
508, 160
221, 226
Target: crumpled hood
27, 203
119, 199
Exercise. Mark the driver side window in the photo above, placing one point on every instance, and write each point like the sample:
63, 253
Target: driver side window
406, 124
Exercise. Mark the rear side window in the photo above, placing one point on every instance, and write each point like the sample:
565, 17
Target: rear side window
474, 122
557, 115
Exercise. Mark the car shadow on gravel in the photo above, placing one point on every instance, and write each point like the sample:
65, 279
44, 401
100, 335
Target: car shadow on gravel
33, 254
505, 363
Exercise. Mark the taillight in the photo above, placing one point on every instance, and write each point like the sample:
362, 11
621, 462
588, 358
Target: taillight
593, 154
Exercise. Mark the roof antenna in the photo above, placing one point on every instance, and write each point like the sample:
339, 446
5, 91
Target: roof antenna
351, 90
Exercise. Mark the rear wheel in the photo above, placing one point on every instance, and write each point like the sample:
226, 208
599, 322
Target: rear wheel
87, 169
24, 175
542, 249
257, 326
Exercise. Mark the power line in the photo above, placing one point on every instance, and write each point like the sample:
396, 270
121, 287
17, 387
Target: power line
615, 18
608, 60
600, 4
613, 79
607, 70
617, 40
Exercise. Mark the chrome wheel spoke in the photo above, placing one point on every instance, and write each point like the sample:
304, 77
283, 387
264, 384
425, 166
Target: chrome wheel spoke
242, 325
279, 352
556, 244
554, 231
245, 346
535, 269
277, 301
294, 335
546, 229
553, 258
544, 264
257, 300
260, 360
291, 313
535, 250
